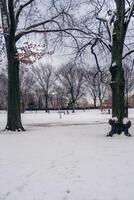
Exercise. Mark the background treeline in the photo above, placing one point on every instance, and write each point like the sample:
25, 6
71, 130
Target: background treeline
69, 86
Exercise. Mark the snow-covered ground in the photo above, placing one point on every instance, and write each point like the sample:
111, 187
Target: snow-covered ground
66, 159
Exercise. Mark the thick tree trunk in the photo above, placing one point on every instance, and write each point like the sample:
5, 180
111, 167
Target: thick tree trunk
9, 28
118, 95
117, 73
119, 123
13, 114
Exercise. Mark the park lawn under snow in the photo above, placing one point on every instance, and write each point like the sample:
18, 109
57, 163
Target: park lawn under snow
66, 159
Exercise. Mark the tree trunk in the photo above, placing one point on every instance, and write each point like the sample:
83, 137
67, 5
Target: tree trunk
94, 99
9, 28
22, 104
13, 114
126, 103
73, 105
100, 100
39, 102
117, 73
46, 102
118, 102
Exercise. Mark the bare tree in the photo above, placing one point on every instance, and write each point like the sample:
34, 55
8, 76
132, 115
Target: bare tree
97, 84
103, 85
44, 76
3, 91
120, 20
129, 80
18, 20
26, 85
111, 31
91, 84
72, 79
59, 96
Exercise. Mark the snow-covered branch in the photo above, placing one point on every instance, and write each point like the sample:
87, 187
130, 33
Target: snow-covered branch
110, 25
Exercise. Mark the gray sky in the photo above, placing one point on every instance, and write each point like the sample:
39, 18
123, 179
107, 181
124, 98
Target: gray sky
61, 55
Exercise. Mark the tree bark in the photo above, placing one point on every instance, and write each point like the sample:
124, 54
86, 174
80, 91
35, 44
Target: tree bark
9, 28
13, 114
126, 103
46, 102
73, 106
100, 100
94, 99
117, 72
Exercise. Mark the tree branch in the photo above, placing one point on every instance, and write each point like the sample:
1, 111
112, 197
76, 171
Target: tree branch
25, 32
11, 16
21, 8
128, 53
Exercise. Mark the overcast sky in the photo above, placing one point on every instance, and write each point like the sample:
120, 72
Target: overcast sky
61, 54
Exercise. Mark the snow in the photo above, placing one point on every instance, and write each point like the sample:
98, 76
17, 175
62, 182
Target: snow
112, 82
115, 119
110, 23
125, 120
66, 159
114, 64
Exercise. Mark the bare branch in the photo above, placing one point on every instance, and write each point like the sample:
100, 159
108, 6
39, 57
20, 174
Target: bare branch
128, 53
25, 32
96, 59
21, 8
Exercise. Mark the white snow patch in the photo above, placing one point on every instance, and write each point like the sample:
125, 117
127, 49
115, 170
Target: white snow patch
114, 64
66, 159
112, 82
110, 24
115, 119
125, 120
